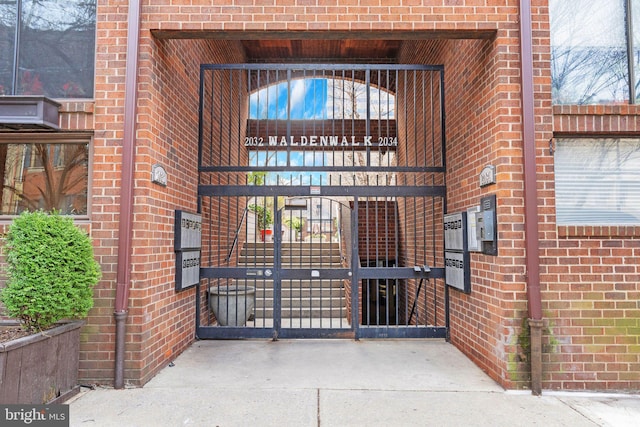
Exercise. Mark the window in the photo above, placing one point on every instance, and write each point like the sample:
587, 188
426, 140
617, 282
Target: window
44, 174
590, 51
47, 48
635, 6
597, 181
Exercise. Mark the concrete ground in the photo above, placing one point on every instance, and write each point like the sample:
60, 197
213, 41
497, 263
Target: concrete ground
338, 383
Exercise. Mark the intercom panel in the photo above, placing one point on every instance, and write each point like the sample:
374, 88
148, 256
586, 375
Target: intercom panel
487, 225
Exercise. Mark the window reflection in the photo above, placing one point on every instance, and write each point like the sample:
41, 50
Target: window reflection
589, 51
56, 48
8, 10
635, 6
44, 176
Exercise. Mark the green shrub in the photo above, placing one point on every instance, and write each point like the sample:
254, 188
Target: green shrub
50, 270
295, 223
264, 216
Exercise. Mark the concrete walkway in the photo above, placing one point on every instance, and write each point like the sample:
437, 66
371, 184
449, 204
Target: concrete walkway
337, 383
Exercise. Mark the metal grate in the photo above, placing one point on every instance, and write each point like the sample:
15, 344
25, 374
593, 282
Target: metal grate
345, 166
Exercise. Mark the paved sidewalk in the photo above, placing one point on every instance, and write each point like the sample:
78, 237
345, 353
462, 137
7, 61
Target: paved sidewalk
338, 383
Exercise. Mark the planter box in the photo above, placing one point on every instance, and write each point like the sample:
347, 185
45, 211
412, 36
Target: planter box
40, 368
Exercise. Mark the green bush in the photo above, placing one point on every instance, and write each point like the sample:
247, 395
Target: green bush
264, 216
50, 270
295, 223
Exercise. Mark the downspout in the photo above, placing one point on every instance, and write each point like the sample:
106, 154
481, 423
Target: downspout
534, 298
126, 190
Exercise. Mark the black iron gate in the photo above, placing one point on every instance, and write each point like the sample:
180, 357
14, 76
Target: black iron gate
322, 192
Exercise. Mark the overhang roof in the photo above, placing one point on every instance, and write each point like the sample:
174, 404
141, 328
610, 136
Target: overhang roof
321, 50
322, 46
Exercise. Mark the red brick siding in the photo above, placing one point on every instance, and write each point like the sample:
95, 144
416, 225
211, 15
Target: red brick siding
482, 128
609, 120
161, 321
589, 282
76, 116
593, 279
377, 229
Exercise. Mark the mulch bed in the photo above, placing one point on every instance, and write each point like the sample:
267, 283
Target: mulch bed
9, 333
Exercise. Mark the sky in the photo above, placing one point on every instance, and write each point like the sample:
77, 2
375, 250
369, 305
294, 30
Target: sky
308, 100
298, 158
311, 99
318, 98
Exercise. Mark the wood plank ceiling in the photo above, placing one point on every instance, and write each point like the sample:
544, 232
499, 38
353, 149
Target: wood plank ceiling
380, 51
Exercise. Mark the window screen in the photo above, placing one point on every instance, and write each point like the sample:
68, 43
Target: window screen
597, 181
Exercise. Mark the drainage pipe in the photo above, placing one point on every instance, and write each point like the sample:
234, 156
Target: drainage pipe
126, 190
534, 298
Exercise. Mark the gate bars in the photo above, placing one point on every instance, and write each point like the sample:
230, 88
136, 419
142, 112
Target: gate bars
344, 164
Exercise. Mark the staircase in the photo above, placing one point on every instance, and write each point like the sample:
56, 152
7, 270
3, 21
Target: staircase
304, 302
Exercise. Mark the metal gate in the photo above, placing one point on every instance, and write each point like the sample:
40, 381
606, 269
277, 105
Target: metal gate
321, 189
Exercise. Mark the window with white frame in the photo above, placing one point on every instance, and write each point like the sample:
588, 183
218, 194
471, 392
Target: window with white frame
597, 181
44, 172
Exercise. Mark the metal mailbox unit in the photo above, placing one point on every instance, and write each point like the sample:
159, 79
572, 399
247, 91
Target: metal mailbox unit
456, 255
187, 243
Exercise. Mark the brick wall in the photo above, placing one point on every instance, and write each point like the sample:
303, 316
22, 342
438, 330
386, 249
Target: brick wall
477, 98
592, 278
591, 340
377, 230
159, 319
161, 322
589, 275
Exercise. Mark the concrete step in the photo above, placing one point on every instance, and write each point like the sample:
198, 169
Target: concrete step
293, 303
293, 245
292, 266
297, 313
292, 259
298, 293
297, 322
290, 251
294, 284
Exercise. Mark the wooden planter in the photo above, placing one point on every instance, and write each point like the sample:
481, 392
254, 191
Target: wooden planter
40, 368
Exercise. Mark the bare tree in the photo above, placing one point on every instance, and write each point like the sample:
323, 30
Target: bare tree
52, 184
589, 57
347, 99
57, 52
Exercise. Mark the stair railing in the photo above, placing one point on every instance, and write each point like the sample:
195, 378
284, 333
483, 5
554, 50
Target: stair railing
237, 234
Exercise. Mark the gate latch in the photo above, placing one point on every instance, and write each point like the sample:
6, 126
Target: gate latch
425, 269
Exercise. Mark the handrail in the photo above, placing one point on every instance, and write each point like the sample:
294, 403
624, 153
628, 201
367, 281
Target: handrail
339, 231
235, 239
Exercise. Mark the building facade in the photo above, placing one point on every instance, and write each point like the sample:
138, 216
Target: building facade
516, 99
